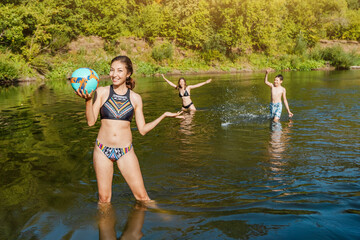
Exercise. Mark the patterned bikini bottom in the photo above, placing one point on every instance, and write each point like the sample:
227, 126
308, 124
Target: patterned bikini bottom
113, 153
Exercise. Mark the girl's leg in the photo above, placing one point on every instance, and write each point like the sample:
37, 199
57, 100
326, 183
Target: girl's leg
130, 169
192, 108
104, 169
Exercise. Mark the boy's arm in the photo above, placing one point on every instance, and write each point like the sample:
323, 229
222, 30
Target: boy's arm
266, 79
287, 104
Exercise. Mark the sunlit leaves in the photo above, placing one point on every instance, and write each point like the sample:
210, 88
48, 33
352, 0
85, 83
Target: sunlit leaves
226, 27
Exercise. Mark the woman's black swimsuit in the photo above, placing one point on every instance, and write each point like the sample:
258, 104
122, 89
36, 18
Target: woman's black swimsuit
117, 107
186, 94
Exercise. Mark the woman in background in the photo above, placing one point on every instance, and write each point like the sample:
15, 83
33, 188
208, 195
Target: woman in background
184, 92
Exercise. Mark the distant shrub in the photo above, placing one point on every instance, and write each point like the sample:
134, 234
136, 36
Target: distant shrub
101, 66
8, 71
59, 41
41, 64
60, 72
335, 55
211, 55
13, 67
161, 52
259, 61
338, 57
357, 61
309, 64
110, 46
300, 45
147, 68
191, 63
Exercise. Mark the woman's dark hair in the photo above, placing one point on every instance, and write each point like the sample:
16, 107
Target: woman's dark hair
178, 85
130, 82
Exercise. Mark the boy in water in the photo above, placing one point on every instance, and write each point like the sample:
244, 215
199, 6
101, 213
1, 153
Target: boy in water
276, 92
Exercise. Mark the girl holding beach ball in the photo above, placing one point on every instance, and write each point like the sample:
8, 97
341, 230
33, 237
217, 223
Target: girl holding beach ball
117, 104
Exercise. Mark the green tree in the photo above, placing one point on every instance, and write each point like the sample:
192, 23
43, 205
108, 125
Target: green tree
227, 22
147, 21
107, 19
193, 19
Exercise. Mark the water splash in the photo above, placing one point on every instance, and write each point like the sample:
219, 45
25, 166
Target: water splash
242, 109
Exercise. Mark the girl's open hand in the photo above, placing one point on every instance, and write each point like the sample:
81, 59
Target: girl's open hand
209, 80
174, 115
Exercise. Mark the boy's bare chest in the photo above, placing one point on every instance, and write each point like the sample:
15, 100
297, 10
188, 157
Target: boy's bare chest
277, 90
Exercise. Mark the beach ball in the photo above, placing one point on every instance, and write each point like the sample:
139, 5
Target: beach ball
84, 79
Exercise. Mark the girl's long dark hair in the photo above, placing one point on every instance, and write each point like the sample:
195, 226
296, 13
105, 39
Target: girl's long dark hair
178, 85
130, 82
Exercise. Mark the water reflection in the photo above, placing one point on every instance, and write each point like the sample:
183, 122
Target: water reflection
250, 180
278, 144
107, 222
186, 124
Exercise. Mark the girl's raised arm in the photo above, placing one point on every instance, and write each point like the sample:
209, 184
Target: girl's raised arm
170, 83
92, 104
199, 84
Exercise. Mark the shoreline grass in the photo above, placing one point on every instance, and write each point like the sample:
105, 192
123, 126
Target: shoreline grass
166, 58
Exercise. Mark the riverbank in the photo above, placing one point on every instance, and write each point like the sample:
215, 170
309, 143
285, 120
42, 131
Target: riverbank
167, 57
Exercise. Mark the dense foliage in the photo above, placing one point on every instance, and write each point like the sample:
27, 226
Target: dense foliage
214, 28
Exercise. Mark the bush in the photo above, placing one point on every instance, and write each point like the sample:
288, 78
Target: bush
8, 71
309, 64
59, 41
211, 55
336, 56
161, 52
259, 61
191, 63
300, 45
102, 67
13, 67
60, 72
147, 68
41, 64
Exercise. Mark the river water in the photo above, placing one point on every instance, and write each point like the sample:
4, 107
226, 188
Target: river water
225, 172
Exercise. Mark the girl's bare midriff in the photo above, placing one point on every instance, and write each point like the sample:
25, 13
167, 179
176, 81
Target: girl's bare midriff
115, 133
186, 100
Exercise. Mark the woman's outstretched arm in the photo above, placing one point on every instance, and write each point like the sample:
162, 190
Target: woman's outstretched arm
170, 83
200, 84
142, 126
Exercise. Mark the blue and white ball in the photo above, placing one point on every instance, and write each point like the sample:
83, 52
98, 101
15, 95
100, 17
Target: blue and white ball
85, 79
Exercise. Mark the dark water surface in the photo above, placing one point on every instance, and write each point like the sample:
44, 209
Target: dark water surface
225, 172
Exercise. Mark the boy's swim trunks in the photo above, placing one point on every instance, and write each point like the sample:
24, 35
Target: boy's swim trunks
275, 110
